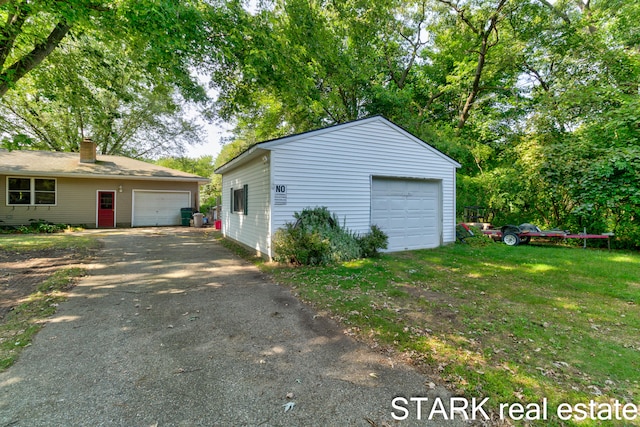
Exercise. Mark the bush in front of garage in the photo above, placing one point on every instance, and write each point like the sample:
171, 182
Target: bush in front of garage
372, 242
317, 238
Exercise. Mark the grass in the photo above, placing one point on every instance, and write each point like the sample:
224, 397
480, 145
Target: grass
25, 320
20, 325
34, 242
512, 324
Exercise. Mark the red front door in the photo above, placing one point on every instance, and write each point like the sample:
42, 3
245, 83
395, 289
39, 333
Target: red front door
106, 208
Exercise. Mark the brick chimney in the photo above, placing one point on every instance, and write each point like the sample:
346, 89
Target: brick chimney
87, 151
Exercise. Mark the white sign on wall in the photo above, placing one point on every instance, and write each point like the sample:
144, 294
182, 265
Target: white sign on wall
280, 195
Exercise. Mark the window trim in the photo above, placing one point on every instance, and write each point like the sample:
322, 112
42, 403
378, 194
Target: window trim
32, 191
243, 210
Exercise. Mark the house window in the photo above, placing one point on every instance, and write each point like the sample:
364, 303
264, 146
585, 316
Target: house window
239, 199
31, 191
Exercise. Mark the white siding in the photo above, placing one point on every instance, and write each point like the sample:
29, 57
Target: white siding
251, 229
335, 168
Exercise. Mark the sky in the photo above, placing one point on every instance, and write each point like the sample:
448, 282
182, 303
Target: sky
215, 132
211, 146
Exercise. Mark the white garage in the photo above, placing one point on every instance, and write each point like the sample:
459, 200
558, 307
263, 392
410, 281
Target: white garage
158, 207
368, 171
408, 211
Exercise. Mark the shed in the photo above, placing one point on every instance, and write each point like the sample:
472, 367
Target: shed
368, 171
92, 190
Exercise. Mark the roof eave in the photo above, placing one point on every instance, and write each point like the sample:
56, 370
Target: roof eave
52, 174
246, 156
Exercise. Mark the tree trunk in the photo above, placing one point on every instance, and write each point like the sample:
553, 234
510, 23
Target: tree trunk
29, 61
482, 56
475, 87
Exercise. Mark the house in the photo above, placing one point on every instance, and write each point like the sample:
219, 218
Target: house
368, 171
92, 190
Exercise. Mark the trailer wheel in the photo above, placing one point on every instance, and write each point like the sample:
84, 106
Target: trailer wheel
524, 240
511, 239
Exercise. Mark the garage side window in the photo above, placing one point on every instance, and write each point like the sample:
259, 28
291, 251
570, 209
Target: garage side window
239, 199
31, 191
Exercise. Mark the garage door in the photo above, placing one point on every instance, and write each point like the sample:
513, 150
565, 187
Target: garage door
155, 208
408, 211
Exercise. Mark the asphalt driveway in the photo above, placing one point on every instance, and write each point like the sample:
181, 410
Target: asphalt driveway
170, 329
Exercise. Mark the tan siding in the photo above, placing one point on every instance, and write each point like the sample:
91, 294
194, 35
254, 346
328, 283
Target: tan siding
77, 201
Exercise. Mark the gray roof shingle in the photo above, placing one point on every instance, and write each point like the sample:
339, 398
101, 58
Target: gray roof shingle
57, 164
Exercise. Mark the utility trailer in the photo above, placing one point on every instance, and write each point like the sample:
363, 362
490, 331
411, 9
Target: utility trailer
514, 235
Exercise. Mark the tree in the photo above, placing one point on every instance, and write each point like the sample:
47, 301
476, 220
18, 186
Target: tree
313, 63
578, 151
121, 72
87, 88
537, 99
201, 166
318, 63
483, 25
32, 30
228, 152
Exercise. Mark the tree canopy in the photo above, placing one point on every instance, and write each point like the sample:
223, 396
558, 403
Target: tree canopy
539, 100
125, 72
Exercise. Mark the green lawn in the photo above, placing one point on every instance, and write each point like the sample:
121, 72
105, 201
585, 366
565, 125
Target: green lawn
37, 242
19, 326
515, 324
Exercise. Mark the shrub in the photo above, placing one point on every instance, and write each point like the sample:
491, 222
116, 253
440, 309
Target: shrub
372, 242
37, 226
294, 245
476, 238
317, 238
42, 226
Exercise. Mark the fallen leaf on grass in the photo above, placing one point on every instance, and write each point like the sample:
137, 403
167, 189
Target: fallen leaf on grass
596, 390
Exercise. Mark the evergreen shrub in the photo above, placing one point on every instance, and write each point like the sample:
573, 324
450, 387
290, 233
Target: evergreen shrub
317, 238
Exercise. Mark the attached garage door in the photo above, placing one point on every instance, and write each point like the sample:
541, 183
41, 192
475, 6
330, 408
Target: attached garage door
155, 208
408, 211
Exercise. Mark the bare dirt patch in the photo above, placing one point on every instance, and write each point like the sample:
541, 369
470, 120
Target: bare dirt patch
22, 272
